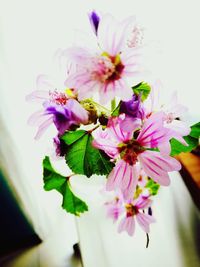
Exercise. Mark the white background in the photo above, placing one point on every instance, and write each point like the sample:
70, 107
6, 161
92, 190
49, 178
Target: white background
31, 32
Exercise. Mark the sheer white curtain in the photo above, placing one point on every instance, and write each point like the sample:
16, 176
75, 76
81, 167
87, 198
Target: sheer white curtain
31, 31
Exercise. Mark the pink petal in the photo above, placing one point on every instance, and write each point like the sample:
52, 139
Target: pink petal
144, 220
179, 126
129, 182
38, 96
43, 127
107, 92
153, 133
116, 176
123, 90
80, 113
43, 83
102, 140
130, 124
127, 224
157, 166
37, 118
143, 203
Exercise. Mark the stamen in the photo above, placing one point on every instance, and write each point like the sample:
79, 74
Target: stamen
58, 98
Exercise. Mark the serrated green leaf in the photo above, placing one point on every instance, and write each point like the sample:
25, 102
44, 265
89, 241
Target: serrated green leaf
142, 89
83, 158
72, 203
54, 180
72, 136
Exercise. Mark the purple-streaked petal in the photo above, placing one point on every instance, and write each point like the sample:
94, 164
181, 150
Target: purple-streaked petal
157, 166
153, 133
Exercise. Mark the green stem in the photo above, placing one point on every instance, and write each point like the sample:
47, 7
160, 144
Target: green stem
113, 104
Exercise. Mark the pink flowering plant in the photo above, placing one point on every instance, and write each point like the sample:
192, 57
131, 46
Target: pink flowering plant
109, 122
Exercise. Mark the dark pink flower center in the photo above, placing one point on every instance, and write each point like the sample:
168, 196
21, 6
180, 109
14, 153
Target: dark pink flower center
131, 210
130, 150
107, 68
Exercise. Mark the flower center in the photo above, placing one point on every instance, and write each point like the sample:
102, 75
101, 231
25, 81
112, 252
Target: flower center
131, 210
58, 97
130, 150
107, 68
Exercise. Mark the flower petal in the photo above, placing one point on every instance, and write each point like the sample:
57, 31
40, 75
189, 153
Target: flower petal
157, 166
127, 224
144, 220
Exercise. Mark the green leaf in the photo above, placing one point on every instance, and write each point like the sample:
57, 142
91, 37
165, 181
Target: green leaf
177, 147
142, 89
195, 130
83, 158
153, 187
192, 140
116, 111
72, 136
54, 180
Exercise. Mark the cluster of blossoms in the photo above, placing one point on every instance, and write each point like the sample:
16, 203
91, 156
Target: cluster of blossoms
134, 135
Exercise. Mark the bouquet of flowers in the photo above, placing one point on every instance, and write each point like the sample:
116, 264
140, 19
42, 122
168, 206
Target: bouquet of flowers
109, 122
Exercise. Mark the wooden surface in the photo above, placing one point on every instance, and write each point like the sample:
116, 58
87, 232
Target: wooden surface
191, 174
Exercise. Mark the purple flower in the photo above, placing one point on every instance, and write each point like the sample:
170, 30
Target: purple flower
133, 108
58, 109
94, 20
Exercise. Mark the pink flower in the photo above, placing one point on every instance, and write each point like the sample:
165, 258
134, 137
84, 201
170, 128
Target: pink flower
58, 108
128, 151
113, 69
173, 112
134, 211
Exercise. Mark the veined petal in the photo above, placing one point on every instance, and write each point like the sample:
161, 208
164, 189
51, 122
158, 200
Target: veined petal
153, 133
127, 224
116, 176
144, 220
129, 182
157, 166
43, 127
112, 34
142, 202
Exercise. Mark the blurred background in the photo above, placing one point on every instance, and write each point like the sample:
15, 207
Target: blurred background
30, 34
